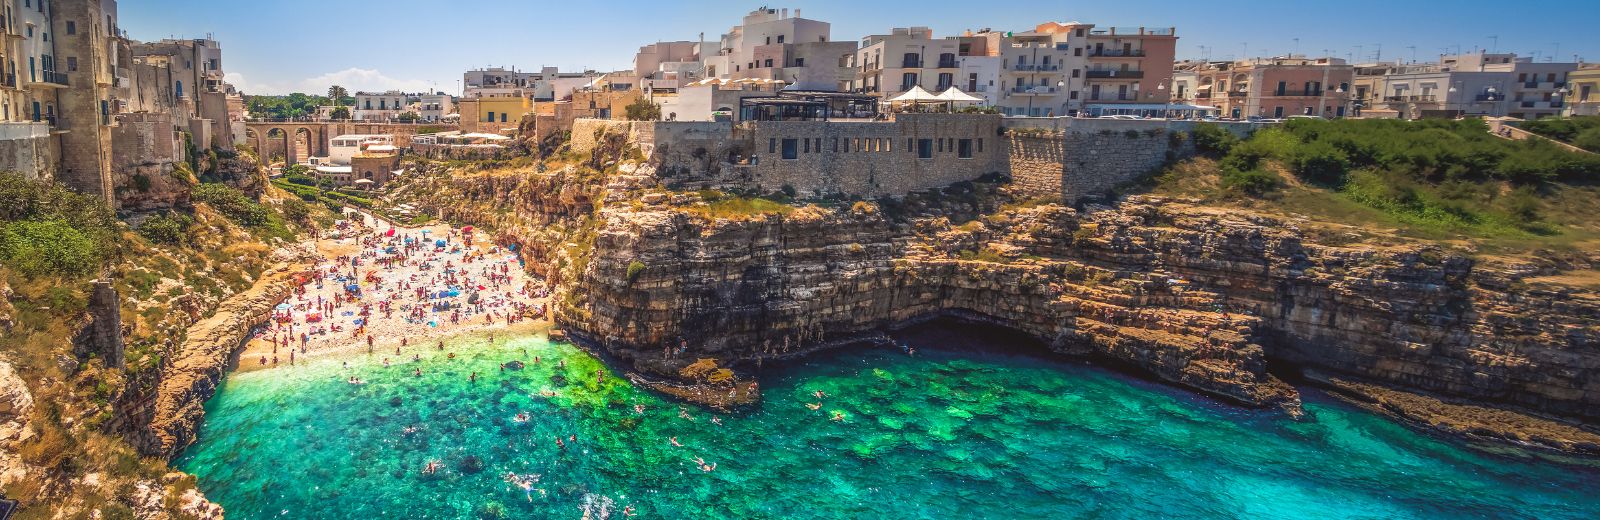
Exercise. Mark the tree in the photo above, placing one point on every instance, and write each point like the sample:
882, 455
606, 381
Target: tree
642, 109
408, 117
340, 112
337, 94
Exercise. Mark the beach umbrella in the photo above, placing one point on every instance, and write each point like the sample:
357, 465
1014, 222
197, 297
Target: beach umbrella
284, 307
467, 229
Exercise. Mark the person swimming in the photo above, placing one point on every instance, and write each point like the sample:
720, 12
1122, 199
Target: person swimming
674, 441
683, 413
638, 409
716, 420
838, 416
819, 394
814, 406
521, 417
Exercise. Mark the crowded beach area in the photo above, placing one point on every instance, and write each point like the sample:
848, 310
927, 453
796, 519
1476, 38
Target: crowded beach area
382, 289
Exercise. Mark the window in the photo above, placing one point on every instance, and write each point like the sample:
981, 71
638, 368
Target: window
980, 145
491, 117
964, 149
817, 144
799, 62
791, 149
1277, 113
1283, 86
911, 145
1078, 51
808, 147
941, 145
72, 63
503, 117
946, 79
924, 148
1075, 72
911, 61
908, 80
835, 145
780, 38
772, 146
179, 88
72, 27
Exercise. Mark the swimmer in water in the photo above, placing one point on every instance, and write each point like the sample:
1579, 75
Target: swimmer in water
716, 420
638, 409
838, 416
814, 406
819, 394
683, 413
675, 442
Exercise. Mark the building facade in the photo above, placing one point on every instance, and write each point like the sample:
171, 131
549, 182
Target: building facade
1276, 87
1583, 91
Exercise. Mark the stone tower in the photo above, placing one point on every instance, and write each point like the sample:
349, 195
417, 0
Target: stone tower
85, 32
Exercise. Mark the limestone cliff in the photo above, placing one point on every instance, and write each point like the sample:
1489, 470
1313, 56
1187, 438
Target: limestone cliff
168, 423
1198, 297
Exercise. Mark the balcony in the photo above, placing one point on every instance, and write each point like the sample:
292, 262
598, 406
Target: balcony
1116, 53
1290, 93
1202, 95
50, 79
1115, 74
1411, 99
1033, 67
950, 64
1034, 91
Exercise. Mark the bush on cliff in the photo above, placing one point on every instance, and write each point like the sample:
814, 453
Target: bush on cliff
1583, 132
233, 203
46, 229
171, 228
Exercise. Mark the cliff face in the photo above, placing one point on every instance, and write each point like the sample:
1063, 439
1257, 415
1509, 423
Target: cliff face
167, 422
1201, 298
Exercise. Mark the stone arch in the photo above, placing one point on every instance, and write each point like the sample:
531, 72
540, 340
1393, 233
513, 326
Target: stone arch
304, 145
276, 144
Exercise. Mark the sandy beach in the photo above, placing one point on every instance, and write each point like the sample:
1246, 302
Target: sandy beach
396, 292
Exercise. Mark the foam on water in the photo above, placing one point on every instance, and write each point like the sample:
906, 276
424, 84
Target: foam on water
940, 435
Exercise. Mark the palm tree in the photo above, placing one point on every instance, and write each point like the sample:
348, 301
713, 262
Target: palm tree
337, 94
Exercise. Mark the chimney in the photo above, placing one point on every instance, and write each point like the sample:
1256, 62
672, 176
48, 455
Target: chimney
785, 12
797, 12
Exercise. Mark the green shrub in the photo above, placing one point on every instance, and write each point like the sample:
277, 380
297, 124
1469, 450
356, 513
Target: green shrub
1321, 163
170, 228
635, 268
1252, 182
49, 247
232, 203
1588, 140
1213, 140
296, 210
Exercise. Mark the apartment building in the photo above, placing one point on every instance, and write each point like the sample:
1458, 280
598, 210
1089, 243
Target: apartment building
771, 45
188, 79
548, 83
890, 64
434, 107
1276, 87
1583, 91
1129, 66
1463, 85
382, 106
667, 66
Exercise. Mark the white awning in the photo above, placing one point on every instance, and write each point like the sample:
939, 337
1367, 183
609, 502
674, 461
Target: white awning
956, 95
916, 94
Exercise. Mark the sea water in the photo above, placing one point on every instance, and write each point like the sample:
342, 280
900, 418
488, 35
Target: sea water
946, 433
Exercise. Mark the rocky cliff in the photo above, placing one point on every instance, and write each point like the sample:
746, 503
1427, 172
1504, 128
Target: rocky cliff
167, 423
1220, 302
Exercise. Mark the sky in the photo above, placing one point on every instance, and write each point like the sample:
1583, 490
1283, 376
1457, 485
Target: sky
283, 46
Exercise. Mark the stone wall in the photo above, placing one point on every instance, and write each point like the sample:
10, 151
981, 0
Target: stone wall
1086, 158
29, 148
875, 159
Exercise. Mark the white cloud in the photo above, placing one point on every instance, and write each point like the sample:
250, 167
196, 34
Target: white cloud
352, 79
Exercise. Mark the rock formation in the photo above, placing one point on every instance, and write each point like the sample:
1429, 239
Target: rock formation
167, 425
16, 403
102, 336
1198, 297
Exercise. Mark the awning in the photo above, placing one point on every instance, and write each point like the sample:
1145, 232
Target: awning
1203, 87
916, 95
956, 95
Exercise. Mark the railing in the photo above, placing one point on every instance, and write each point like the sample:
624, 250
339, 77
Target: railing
51, 76
1287, 93
1409, 99
1202, 95
1128, 74
1117, 53
1033, 90
911, 64
1034, 67
947, 64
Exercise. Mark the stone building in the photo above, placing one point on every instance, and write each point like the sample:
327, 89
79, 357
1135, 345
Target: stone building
1276, 87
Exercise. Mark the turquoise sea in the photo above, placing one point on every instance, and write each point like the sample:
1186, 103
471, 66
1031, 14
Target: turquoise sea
949, 433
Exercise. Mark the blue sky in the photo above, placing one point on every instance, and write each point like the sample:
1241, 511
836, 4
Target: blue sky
279, 46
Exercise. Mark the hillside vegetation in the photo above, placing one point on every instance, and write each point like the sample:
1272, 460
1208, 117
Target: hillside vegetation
1445, 180
168, 269
1582, 132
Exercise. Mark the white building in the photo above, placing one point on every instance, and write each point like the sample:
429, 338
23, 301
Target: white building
434, 107
740, 52
380, 106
